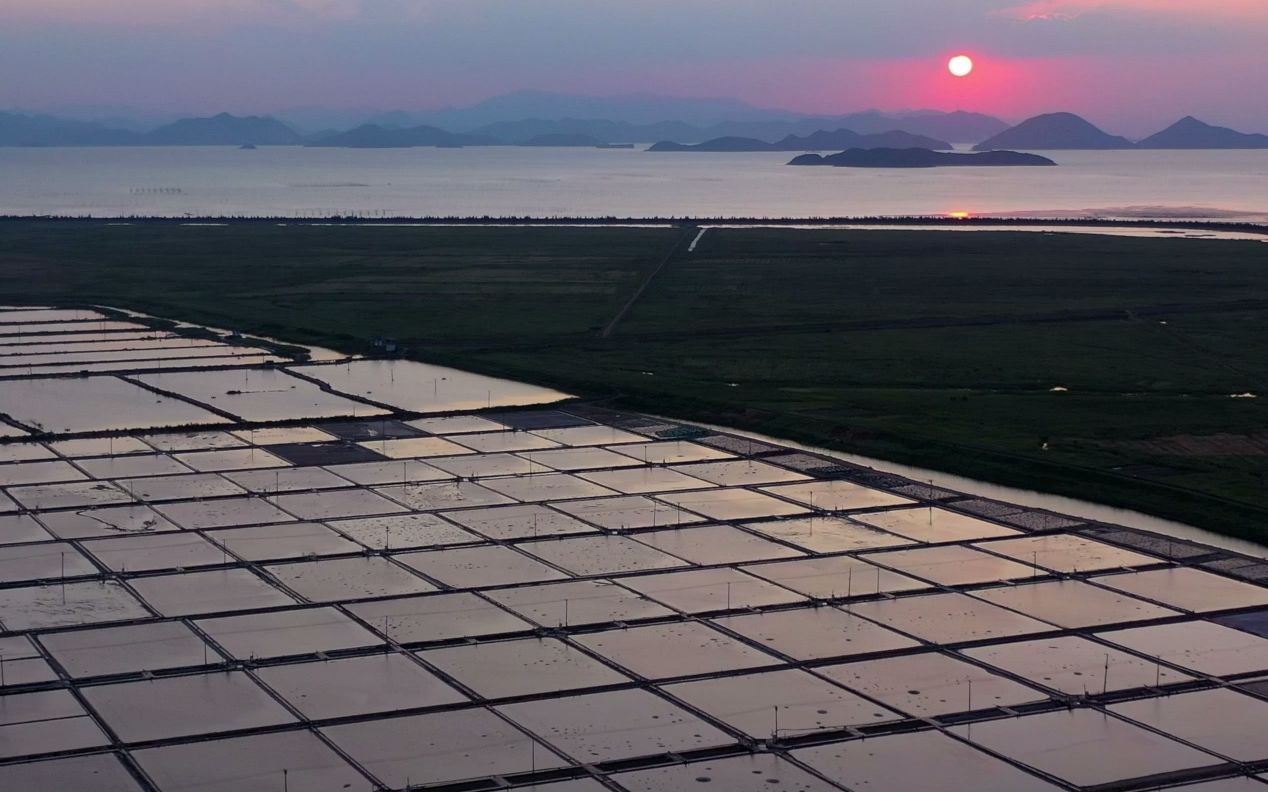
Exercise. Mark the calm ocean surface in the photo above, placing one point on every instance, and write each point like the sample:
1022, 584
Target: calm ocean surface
504, 182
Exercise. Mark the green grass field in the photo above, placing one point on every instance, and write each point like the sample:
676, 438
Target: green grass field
1093, 366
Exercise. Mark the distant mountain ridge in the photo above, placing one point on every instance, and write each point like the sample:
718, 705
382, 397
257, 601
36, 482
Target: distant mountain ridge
517, 118
1067, 131
220, 130
564, 141
1190, 133
634, 109
224, 130
718, 124
955, 127
375, 136
19, 129
842, 139
517, 132
1055, 131
819, 141
958, 126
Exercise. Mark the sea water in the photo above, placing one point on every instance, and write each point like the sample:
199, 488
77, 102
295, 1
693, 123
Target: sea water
517, 182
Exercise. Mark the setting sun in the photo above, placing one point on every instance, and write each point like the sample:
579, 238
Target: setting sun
961, 66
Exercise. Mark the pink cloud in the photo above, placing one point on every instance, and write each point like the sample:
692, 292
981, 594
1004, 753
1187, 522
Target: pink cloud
1064, 10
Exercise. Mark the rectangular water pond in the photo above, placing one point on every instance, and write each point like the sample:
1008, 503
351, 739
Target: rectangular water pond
945, 765
62, 605
213, 591
128, 649
578, 602
1188, 588
287, 633
45, 722
777, 704
95, 404
674, 650
948, 618
751, 773
731, 504
403, 531
519, 522
815, 633
99, 772
645, 479
336, 579
184, 706
715, 544
930, 684
258, 394
441, 748
1075, 665
1073, 604
421, 388
250, 764
822, 534
628, 513
1085, 748
705, 590
478, 567
600, 555
442, 617
251, 458
358, 686
604, 727
933, 525
504, 669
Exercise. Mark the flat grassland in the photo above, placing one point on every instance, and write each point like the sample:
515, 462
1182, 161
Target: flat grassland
1099, 367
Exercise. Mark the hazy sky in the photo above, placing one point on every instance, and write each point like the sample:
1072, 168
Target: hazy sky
1131, 65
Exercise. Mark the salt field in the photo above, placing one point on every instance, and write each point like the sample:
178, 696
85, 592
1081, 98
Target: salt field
222, 570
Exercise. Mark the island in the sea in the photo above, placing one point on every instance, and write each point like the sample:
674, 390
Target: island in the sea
921, 158
1190, 133
1055, 131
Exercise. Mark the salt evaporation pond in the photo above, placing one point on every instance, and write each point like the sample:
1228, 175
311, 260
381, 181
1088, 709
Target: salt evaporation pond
305, 591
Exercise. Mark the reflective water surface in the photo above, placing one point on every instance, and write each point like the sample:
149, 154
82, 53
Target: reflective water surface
509, 181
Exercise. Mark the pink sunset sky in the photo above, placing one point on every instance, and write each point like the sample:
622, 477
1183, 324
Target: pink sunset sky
1129, 65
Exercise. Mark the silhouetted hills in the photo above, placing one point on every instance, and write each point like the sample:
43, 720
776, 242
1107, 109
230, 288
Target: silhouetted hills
17, 129
634, 109
842, 139
1054, 131
1190, 133
921, 158
518, 116
957, 127
224, 130
967, 127
716, 146
642, 118
516, 132
819, 141
564, 141
707, 125
375, 136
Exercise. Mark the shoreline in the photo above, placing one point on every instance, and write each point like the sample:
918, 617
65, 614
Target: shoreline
915, 222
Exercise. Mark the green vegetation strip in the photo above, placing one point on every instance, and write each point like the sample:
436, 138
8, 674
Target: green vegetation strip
1099, 367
